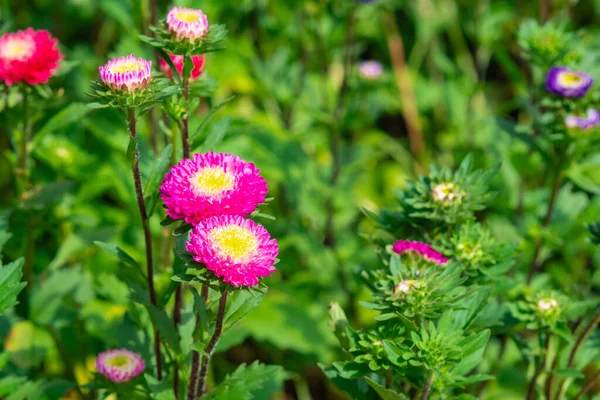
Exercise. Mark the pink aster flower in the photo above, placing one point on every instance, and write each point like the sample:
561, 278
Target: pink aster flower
370, 69
28, 56
127, 74
198, 62
212, 184
119, 365
237, 250
425, 250
187, 24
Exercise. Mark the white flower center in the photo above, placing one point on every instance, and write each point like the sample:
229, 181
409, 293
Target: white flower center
17, 49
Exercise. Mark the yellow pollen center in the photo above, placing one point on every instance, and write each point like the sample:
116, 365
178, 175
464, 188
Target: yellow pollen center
187, 16
571, 78
17, 49
118, 361
126, 67
234, 241
211, 181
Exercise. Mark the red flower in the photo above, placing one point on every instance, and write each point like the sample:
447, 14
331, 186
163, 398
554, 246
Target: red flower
178, 61
28, 56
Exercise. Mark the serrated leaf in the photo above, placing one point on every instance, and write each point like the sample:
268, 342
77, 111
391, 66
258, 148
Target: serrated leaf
10, 284
384, 394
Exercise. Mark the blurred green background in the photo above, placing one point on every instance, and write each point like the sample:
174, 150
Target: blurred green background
329, 143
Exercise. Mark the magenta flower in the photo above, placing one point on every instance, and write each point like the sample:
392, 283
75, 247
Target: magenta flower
590, 120
237, 250
187, 24
126, 73
370, 69
119, 365
212, 184
425, 250
567, 83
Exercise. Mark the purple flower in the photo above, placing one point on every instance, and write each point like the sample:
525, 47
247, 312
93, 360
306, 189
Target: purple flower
370, 69
567, 83
425, 250
590, 120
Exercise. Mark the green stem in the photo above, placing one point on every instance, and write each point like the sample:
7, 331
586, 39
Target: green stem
147, 236
538, 370
427, 387
22, 171
211, 345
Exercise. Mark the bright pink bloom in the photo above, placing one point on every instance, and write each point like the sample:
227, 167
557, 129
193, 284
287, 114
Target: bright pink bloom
237, 250
119, 365
403, 246
126, 73
187, 24
178, 61
212, 184
28, 56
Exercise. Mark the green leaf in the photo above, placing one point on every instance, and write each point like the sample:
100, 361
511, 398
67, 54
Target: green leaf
568, 373
240, 303
157, 173
112, 249
10, 284
195, 137
510, 128
216, 134
43, 195
385, 394
159, 390
69, 115
244, 381
586, 174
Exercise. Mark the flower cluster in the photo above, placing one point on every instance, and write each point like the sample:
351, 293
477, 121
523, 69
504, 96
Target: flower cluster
119, 365
29, 56
214, 192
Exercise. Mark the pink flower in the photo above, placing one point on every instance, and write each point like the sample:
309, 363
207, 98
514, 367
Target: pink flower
212, 184
187, 24
28, 56
119, 365
126, 73
237, 250
403, 246
178, 61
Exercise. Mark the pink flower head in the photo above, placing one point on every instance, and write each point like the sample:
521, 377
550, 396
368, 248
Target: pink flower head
187, 24
178, 62
126, 73
370, 69
425, 250
212, 184
236, 249
119, 365
28, 56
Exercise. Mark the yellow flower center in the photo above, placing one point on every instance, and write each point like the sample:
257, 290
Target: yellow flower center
570, 79
121, 68
234, 241
17, 49
188, 16
212, 181
118, 361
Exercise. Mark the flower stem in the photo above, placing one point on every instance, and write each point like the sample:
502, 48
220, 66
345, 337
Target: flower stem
184, 134
22, 171
193, 386
588, 386
584, 335
538, 370
147, 237
537, 256
427, 387
211, 345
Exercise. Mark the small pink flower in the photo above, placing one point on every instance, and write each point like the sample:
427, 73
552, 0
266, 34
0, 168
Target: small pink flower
370, 69
28, 56
237, 250
178, 62
126, 73
425, 250
212, 184
187, 24
119, 365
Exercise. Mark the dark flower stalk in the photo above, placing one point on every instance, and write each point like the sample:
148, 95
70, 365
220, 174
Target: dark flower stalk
147, 236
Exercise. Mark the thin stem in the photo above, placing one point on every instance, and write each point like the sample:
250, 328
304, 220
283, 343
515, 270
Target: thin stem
147, 236
538, 370
537, 256
193, 385
211, 345
184, 134
427, 387
584, 335
588, 386
22, 171
404, 83
544, 10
